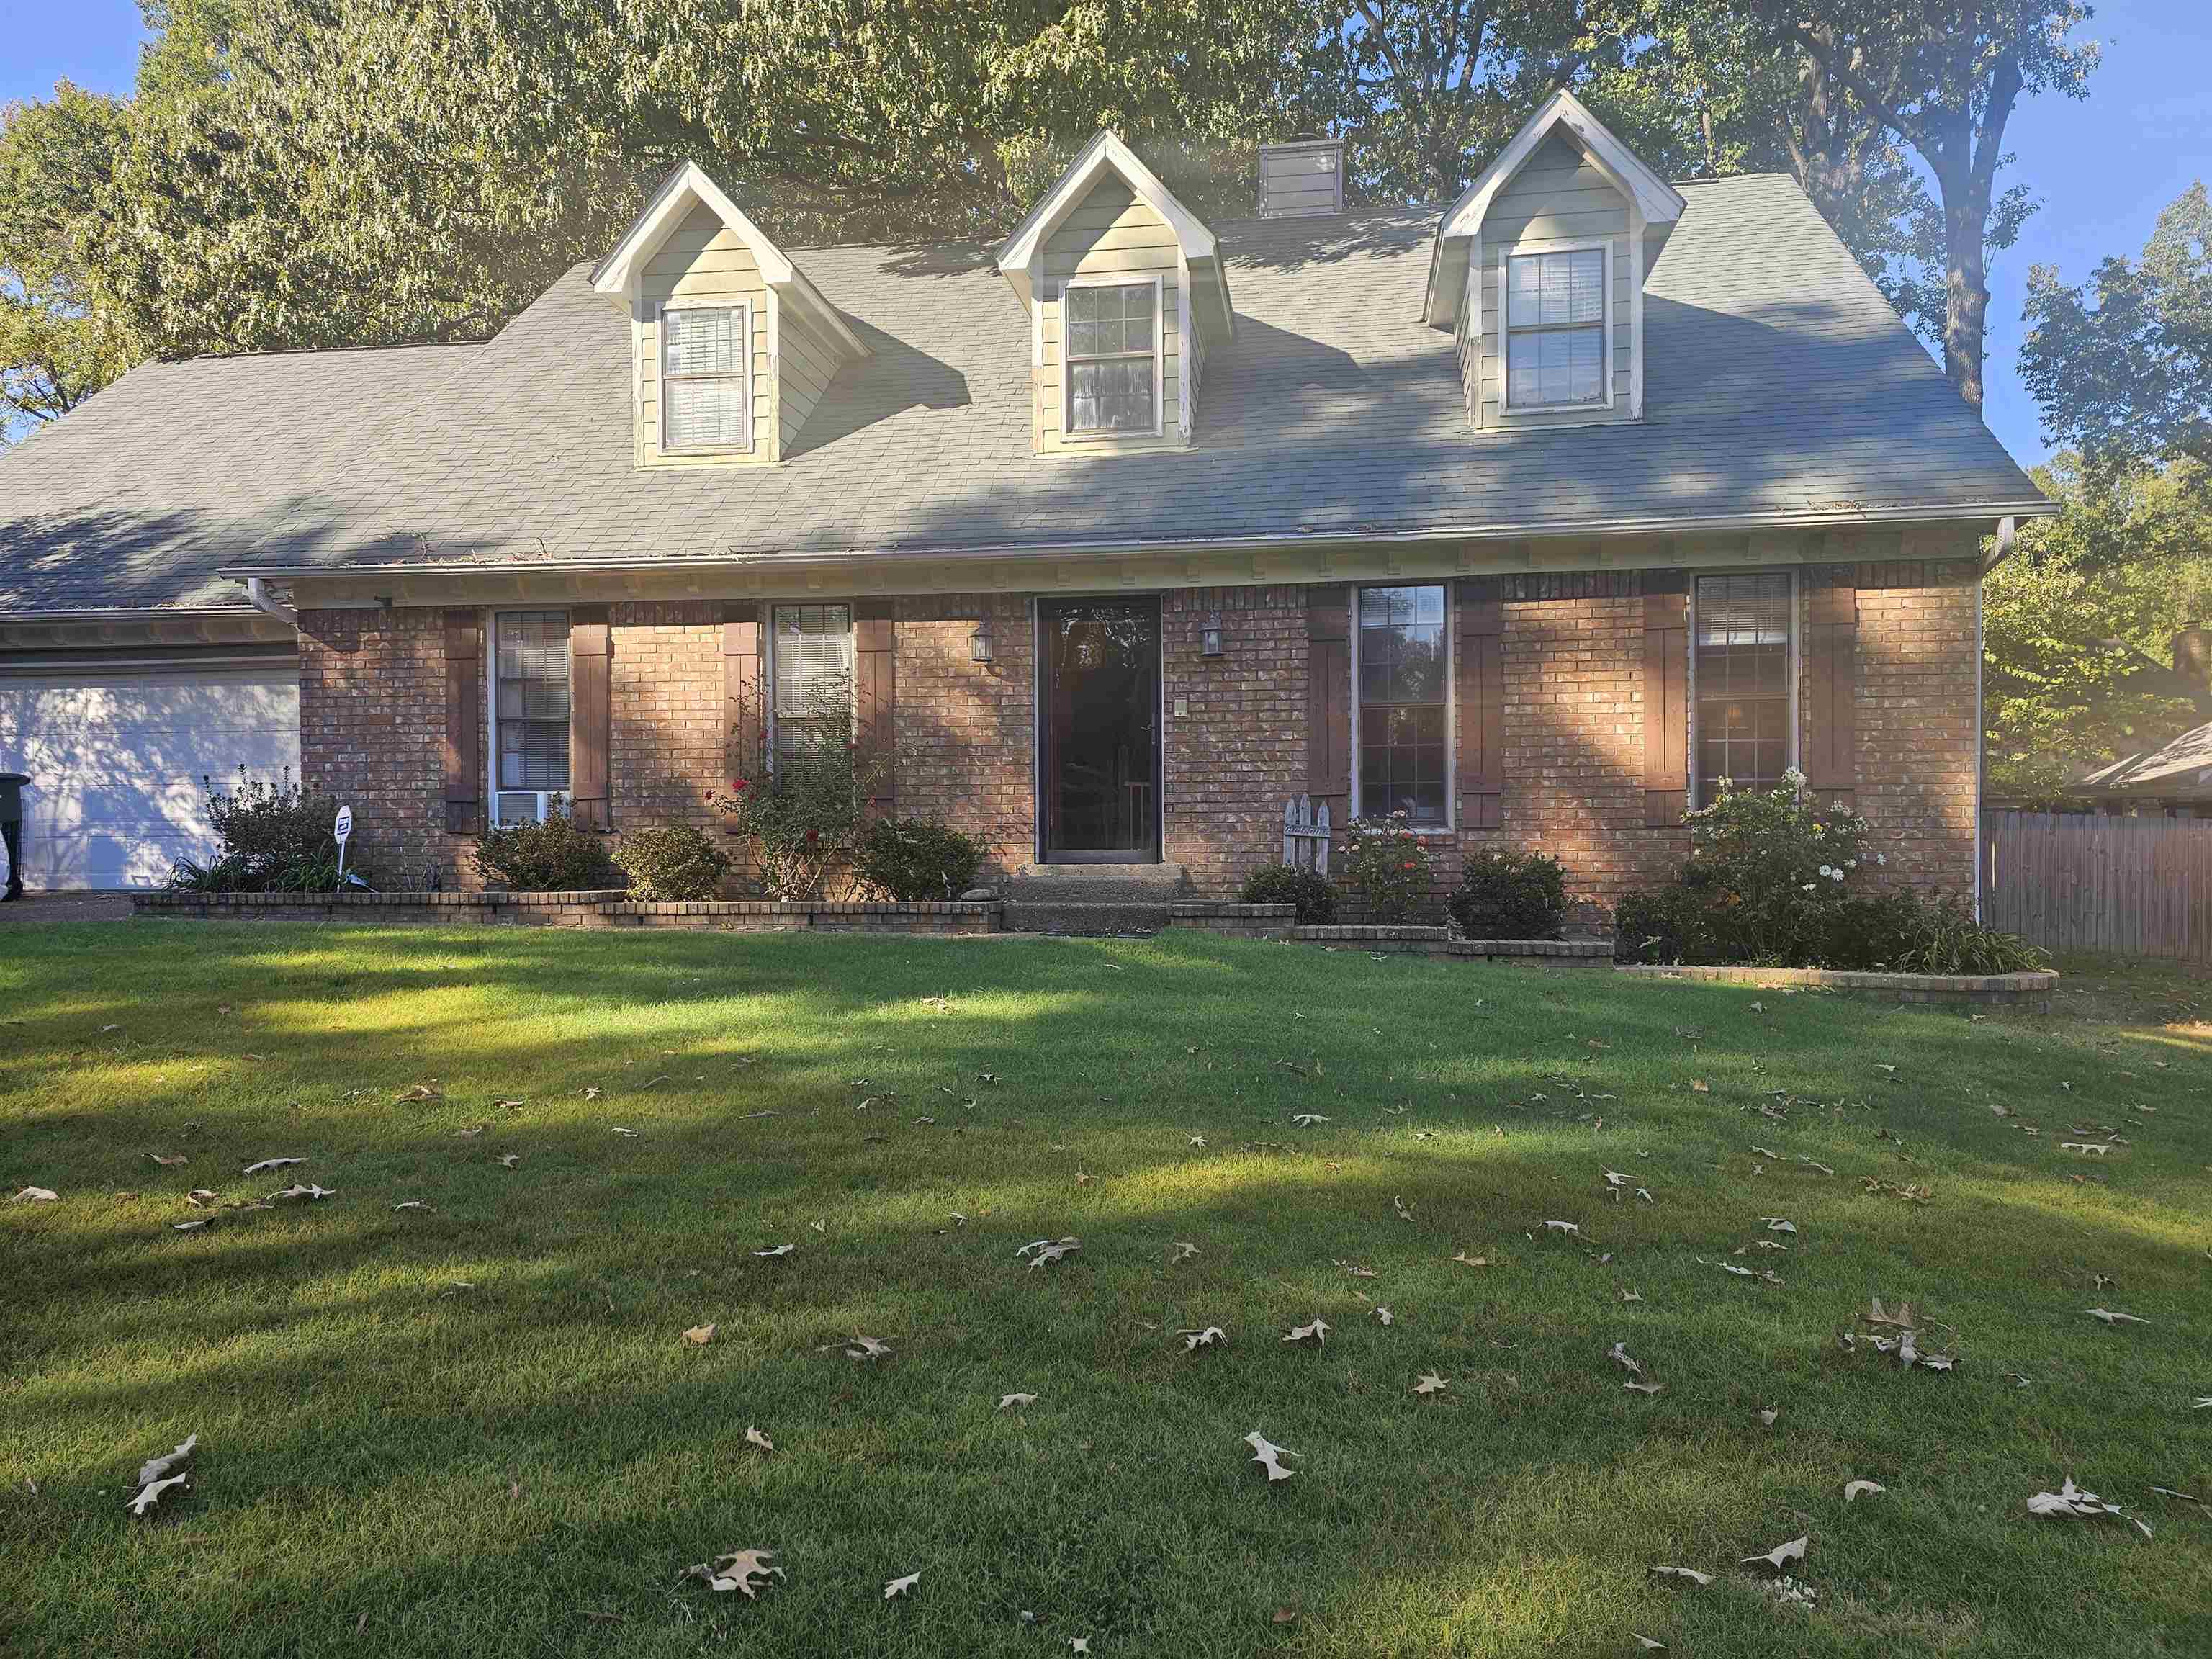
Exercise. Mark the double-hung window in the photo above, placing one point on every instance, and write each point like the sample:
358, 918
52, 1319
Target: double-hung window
1555, 328
813, 670
1742, 675
530, 710
706, 377
1403, 683
1113, 341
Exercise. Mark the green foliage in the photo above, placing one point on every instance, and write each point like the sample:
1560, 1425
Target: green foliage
276, 838
1291, 884
2122, 364
1386, 866
1943, 938
1509, 895
803, 809
677, 862
2078, 626
1664, 925
1774, 861
916, 860
1899, 931
558, 855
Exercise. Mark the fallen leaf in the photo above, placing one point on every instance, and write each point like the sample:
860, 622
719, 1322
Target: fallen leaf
36, 1195
1467, 1261
1767, 1414
1779, 1557
1429, 1383
310, 1192
1854, 1490
1082, 1644
1318, 1331
1182, 1252
700, 1335
1385, 1316
1307, 1120
2111, 1318
2070, 1499
1776, 1224
1645, 1388
410, 1204
193, 1226
150, 1493
1007, 1402
1568, 1227
1628, 1295
1619, 1355
169, 1462
777, 1250
901, 1586
271, 1164
754, 1438
1267, 1454
867, 1347
200, 1197
744, 1570
1049, 1249
169, 1162
1700, 1579
1205, 1339
508, 1160
1197, 1140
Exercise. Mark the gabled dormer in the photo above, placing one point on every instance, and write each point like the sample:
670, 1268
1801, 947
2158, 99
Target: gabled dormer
1538, 271
1125, 295
733, 346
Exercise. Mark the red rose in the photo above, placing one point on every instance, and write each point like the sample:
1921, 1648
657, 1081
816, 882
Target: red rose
812, 836
739, 784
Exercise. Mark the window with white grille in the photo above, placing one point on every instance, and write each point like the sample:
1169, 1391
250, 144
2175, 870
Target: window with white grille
812, 671
1555, 328
530, 710
1742, 674
706, 377
1113, 341
1404, 679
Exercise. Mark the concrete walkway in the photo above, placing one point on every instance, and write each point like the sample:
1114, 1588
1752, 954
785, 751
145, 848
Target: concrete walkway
34, 907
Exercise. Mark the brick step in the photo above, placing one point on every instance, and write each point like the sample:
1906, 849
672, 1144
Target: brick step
1096, 883
1121, 917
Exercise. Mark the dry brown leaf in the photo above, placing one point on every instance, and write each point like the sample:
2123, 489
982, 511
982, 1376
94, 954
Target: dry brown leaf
193, 1226
777, 1250
2111, 1318
1405, 1210
36, 1195
2070, 1499
1628, 1295
1049, 1249
700, 1335
1700, 1579
754, 1438
200, 1197
1779, 1557
1767, 1414
744, 1570
1467, 1261
1641, 1387
1183, 1252
1572, 1228
150, 1493
1269, 1456
170, 1163
1008, 1401
1647, 1643
169, 1462
1317, 1333
508, 1160
310, 1192
901, 1586
867, 1347
1429, 1383
1307, 1120
272, 1164
1386, 1316
1206, 1339
1855, 1490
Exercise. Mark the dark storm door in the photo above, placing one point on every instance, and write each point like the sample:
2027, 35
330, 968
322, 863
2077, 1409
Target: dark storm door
1100, 716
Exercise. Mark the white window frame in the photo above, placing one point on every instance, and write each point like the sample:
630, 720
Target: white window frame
852, 660
1530, 250
1450, 825
1116, 279
493, 789
744, 306
1792, 672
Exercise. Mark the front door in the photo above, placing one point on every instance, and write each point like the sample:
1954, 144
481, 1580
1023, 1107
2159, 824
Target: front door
1100, 716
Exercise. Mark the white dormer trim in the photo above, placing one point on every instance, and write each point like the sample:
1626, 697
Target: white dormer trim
618, 275
1651, 198
1021, 259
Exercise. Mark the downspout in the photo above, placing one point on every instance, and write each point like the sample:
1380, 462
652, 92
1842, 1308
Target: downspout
257, 595
2002, 552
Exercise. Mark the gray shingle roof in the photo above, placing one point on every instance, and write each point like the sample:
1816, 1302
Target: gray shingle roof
1778, 383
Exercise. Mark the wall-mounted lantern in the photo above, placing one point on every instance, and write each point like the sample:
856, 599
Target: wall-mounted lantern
979, 642
1209, 637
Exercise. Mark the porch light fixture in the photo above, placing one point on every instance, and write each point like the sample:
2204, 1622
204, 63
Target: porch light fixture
979, 642
1209, 637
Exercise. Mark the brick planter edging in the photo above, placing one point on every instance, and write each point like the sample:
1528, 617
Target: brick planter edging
1238, 921
2028, 990
597, 907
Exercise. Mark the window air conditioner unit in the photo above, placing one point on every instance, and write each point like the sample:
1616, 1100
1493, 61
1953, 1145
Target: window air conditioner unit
522, 805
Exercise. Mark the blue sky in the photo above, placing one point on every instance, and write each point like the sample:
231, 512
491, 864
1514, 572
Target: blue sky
2102, 166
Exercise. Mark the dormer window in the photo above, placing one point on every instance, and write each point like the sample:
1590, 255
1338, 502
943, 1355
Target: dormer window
1556, 328
706, 377
1113, 356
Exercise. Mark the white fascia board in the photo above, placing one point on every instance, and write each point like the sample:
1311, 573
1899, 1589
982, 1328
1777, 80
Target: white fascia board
689, 187
1649, 196
1104, 152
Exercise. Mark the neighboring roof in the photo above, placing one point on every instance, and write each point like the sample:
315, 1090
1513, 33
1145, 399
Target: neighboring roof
1782, 390
688, 188
2180, 770
1655, 201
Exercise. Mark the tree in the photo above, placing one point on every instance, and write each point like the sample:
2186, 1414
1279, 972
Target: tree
2078, 628
2122, 365
1945, 76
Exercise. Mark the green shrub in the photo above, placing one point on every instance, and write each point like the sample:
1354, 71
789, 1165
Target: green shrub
1898, 932
556, 856
803, 811
1291, 884
1387, 865
1776, 863
276, 838
1509, 895
915, 859
1664, 925
1948, 941
677, 862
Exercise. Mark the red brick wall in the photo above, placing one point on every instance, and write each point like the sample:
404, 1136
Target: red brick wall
1914, 732
967, 731
665, 739
372, 732
1239, 751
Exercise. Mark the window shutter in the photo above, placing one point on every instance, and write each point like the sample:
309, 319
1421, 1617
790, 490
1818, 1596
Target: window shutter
1666, 702
875, 681
1831, 676
1481, 705
465, 716
1328, 693
743, 710
590, 692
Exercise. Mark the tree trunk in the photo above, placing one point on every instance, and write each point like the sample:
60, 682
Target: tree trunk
1966, 291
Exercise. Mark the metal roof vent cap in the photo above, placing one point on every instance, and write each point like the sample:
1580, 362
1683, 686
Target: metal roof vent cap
1302, 179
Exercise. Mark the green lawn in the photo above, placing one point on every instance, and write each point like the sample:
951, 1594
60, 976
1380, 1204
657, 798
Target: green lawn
389, 1463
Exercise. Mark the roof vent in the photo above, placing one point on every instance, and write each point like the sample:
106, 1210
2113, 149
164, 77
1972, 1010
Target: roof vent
1302, 179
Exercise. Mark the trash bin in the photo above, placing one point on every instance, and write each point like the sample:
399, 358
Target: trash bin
11, 829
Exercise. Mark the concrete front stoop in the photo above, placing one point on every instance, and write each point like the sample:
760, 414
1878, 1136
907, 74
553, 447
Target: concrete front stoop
1093, 898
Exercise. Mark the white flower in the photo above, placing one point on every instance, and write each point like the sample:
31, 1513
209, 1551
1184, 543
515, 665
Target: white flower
1837, 875
1809, 886
1826, 870
1879, 858
1850, 864
1792, 776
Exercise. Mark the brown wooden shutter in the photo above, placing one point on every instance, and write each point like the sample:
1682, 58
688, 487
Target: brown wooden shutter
465, 717
591, 663
1666, 701
1830, 677
744, 711
1328, 695
1481, 705
876, 687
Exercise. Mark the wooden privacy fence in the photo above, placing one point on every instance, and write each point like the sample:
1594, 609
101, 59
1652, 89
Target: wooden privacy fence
2137, 887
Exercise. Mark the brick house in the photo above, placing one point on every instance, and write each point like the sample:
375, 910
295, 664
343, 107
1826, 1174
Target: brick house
1531, 518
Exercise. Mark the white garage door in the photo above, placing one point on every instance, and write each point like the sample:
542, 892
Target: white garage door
117, 756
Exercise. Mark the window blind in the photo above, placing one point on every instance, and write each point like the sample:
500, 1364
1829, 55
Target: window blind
705, 376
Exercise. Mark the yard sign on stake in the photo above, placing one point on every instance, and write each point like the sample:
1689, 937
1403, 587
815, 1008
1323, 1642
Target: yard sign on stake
343, 829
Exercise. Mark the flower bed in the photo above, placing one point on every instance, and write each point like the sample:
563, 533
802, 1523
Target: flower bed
2027, 990
595, 907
